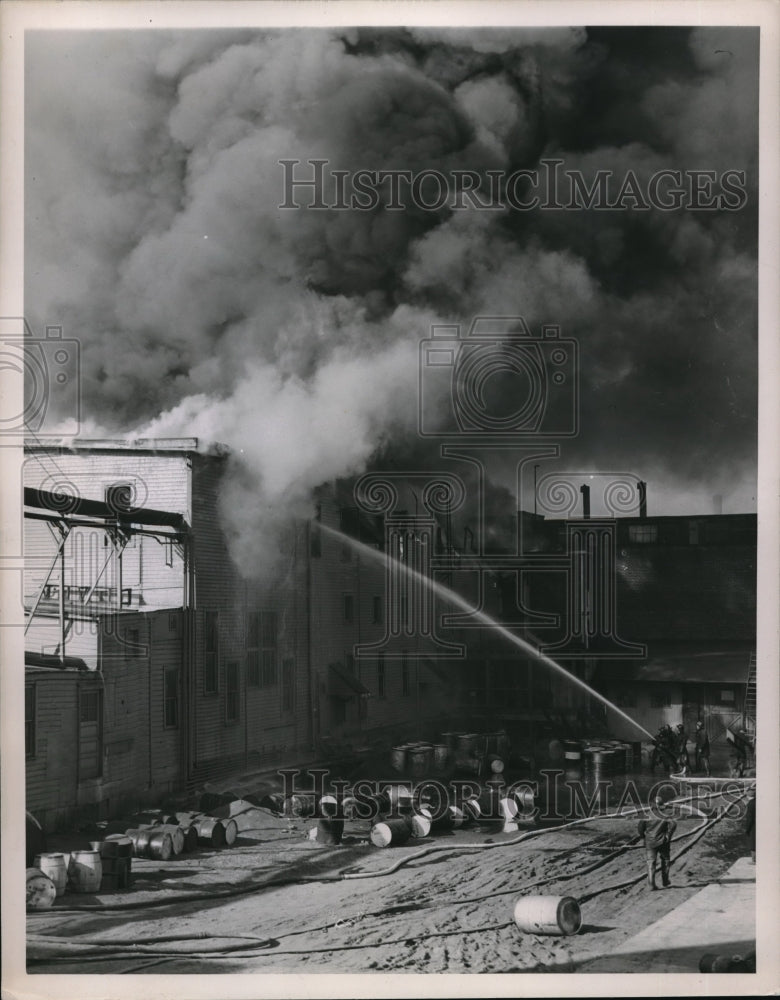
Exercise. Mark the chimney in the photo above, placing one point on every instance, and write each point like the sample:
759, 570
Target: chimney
642, 499
585, 491
717, 503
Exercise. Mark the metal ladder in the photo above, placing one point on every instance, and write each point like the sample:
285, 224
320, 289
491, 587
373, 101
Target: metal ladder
749, 708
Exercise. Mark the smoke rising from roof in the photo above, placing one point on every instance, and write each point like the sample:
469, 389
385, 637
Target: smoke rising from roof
154, 236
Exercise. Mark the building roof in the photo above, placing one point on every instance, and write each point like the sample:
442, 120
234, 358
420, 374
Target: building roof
188, 445
717, 666
47, 661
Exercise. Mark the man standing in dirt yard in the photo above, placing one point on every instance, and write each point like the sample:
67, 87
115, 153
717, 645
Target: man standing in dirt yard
657, 831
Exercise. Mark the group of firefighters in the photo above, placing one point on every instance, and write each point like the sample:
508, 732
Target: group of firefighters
671, 749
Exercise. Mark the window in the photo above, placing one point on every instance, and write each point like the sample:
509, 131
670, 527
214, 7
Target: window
89, 706
211, 652
380, 675
253, 649
29, 720
625, 698
173, 622
643, 534
376, 609
119, 497
661, 699
90, 748
727, 696
171, 698
231, 692
288, 685
349, 607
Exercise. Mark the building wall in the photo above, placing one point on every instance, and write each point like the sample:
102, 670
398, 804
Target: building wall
151, 570
347, 586
652, 704
264, 728
53, 788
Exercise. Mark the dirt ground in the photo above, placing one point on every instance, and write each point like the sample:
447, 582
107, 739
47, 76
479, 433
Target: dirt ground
439, 904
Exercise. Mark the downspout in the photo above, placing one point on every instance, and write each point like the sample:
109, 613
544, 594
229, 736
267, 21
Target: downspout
149, 697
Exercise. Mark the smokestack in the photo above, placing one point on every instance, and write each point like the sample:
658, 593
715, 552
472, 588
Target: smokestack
642, 499
717, 503
585, 491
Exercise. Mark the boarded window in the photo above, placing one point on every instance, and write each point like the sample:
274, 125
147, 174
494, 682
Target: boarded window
288, 685
29, 720
232, 694
171, 698
380, 675
211, 652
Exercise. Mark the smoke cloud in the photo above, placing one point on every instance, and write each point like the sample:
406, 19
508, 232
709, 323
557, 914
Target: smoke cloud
154, 236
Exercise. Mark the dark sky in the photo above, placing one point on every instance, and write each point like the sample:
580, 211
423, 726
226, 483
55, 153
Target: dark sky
153, 234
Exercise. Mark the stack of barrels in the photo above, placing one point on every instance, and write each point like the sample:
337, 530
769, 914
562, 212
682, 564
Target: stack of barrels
607, 757
80, 871
466, 753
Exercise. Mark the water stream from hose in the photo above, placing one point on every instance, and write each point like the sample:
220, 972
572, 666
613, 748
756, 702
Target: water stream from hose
446, 594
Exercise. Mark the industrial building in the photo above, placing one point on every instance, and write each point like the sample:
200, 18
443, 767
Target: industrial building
152, 665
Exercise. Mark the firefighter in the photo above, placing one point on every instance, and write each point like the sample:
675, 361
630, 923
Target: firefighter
663, 750
702, 749
681, 748
657, 832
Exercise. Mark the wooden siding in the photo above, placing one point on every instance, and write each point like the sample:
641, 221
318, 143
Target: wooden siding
52, 785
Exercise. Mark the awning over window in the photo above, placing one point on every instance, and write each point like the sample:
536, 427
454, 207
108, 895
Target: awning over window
342, 684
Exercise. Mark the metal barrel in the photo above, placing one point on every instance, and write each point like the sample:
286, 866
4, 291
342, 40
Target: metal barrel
55, 866
421, 824
41, 891
392, 831
558, 915
85, 871
420, 760
211, 831
160, 844
441, 756
398, 758
400, 798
